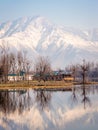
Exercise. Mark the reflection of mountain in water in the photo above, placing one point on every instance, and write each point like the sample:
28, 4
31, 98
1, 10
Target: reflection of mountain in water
59, 110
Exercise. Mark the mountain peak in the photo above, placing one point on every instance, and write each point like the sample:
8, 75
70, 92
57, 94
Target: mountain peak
38, 36
20, 25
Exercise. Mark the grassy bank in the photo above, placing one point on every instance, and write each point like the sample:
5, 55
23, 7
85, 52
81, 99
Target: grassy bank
36, 84
42, 84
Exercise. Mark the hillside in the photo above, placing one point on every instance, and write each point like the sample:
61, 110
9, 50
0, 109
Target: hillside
38, 36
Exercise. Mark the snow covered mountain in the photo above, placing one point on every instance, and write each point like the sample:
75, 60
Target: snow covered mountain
38, 36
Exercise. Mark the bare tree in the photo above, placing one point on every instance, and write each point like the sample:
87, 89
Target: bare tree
25, 61
84, 69
26, 65
1, 73
19, 61
42, 67
13, 63
74, 70
4, 60
23, 65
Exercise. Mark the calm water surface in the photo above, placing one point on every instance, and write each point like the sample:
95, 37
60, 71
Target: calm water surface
75, 109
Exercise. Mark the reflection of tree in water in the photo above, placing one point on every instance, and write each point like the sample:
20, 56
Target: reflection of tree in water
81, 93
12, 101
6, 102
24, 102
74, 97
85, 98
43, 98
95, 87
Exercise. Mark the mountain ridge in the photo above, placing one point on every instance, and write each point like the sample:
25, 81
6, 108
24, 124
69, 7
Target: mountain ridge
38, 36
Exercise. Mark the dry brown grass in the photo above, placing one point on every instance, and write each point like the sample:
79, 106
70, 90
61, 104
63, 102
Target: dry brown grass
36, 84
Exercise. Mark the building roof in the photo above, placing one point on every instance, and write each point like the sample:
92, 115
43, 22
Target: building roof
21, 73
12, 74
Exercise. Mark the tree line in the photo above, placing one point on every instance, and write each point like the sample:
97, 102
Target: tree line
84, 72
14, 63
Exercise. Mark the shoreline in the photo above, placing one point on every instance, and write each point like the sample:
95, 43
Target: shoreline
42, 85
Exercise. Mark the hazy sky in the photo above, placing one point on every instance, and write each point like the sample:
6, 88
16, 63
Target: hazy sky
73, 13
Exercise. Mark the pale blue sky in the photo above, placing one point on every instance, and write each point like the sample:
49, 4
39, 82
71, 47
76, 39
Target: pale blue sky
73, 13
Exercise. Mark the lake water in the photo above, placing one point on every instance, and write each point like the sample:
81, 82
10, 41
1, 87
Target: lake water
75, 109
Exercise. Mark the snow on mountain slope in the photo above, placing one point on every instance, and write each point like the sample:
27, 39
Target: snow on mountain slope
38, 36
